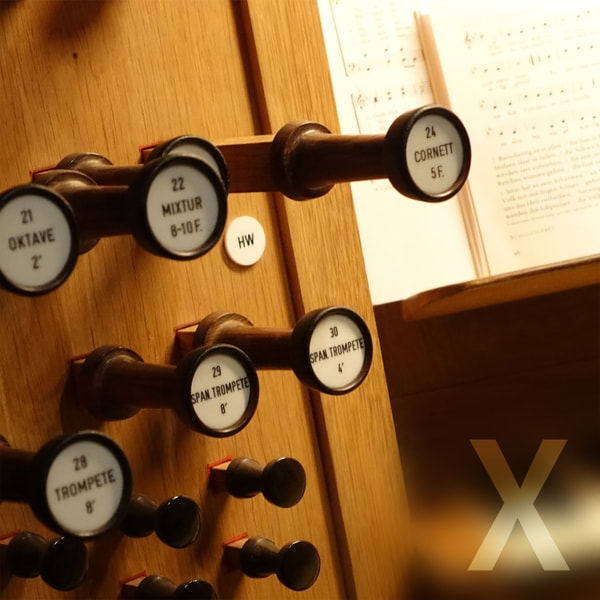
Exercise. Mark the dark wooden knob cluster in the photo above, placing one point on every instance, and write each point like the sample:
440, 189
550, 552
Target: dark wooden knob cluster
329, 349
61, 562
214, 390
77, 484
281, 481
158, 587
425, 154
296, 565
177, 521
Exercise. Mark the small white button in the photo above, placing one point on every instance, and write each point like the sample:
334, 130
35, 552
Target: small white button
245, 241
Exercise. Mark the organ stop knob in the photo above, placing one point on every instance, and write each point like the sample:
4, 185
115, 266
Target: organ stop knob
213, 390
425, 154
296, 565
176, 521
281, 481
39, 240
329, 349
61, 562
175, 207
77, 484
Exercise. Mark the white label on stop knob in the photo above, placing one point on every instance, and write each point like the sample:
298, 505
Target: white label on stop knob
35, 240
220, 391
84, 488
182, 208
434, 154
337, 351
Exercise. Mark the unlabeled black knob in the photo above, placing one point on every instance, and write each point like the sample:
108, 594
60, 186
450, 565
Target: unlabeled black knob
62, 562
296, 564
214, 390
177, 521
77, 484
282, 481
329, 349
157, 587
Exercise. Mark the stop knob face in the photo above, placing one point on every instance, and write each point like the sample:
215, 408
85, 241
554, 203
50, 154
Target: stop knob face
178, 521
81, 484
332, 349
65, 564
427, 154
222, 387
39, 240
181, 207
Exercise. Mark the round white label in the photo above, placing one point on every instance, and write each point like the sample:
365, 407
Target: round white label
245, 241
337, 351
35, 240
182, 208
434, 154
84, 487
220, 391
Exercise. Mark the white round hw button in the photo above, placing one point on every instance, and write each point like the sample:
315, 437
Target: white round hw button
245, 241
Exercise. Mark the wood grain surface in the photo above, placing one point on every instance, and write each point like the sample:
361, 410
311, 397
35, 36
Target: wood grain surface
107, 77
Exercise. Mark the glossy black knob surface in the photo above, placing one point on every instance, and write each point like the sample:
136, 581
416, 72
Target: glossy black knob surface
296, 565
157, 587
62, 562
214, 390
177, 521
282, 481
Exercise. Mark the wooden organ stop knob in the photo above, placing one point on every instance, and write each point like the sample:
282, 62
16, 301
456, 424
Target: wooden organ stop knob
62, 562
296, 565
158, 587
214, 390
281, 481
175, 207
426, 155
77, 484
177, 521
329, 349
39, 240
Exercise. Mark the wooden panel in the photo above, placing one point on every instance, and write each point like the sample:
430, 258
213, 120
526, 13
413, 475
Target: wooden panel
357, 435
107, 77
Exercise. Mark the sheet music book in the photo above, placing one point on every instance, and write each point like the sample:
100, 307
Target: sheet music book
524, 79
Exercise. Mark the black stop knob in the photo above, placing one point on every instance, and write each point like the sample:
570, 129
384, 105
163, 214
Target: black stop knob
296, 564
281, 481
177, 521
157, 587
61, 562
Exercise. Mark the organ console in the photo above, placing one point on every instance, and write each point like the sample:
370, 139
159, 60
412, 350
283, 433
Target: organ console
77, 484
177, 521
214, 390
329, 349
296, 564
281, 481
62, 562
158, 587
